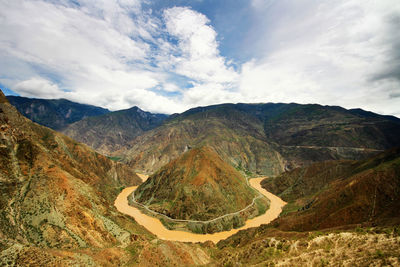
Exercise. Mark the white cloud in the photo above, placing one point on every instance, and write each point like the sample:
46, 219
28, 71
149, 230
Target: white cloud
324, 52
114, 54
199, 59
210, 93
38, 87
96, 49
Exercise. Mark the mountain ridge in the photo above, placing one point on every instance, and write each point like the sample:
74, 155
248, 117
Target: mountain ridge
112, 131
265, 138
54, 113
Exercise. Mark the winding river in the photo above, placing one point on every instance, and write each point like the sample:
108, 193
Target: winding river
157, 228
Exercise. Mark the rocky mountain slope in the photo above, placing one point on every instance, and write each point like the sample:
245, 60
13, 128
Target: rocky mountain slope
56, 200
338, 193
339, 213
199, 185
57, 210
266, 138
54, 113
112, 131
263, 246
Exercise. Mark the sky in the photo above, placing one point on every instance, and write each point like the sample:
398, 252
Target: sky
169, 56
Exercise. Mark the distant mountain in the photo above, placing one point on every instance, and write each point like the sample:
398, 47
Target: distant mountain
112, 131
238, 137
54, 113
266, 138
338, 193
199, 185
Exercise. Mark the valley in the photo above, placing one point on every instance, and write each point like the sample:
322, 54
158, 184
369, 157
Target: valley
331, 196
213, 133
156, 227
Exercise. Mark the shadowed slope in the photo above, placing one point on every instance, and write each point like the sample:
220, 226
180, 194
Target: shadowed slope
114, 130
54, 113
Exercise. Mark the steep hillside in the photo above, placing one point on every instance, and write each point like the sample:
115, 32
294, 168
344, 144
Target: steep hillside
236, 136
353, 205
340, 193
54, 113
266, 138
56, 204
112, 131
199, 185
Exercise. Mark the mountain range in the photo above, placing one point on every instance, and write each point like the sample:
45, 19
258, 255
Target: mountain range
338, 169
54, 113
57, 207
112, 131
266, 139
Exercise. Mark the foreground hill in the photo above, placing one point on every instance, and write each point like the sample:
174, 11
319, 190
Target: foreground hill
199, 185
56, 200
54, 113
113, 130
338, 193
266, 138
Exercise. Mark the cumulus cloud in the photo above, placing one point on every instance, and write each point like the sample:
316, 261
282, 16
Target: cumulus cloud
38, 87
94, 49
107, 53
199, 57
116, 53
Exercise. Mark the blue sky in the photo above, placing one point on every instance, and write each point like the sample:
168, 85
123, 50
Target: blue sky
168, 56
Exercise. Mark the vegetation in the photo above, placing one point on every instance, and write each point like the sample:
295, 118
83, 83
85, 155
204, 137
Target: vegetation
56, 195
200, 186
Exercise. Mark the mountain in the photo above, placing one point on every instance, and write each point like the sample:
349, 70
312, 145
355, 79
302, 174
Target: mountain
238, 137
56, 204
339, 212
266, 138
54, 113
57, 209
112, 131
338, 193
198, 185
51, 184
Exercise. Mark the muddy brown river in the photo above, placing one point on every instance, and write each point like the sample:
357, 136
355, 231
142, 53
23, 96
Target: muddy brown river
157, 228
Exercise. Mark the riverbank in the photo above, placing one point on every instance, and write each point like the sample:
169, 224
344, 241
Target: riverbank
157, 228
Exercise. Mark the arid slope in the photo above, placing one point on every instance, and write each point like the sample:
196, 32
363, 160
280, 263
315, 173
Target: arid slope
56, 200
198, 185
340, 193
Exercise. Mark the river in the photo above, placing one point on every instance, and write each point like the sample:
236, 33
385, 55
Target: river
157, 228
